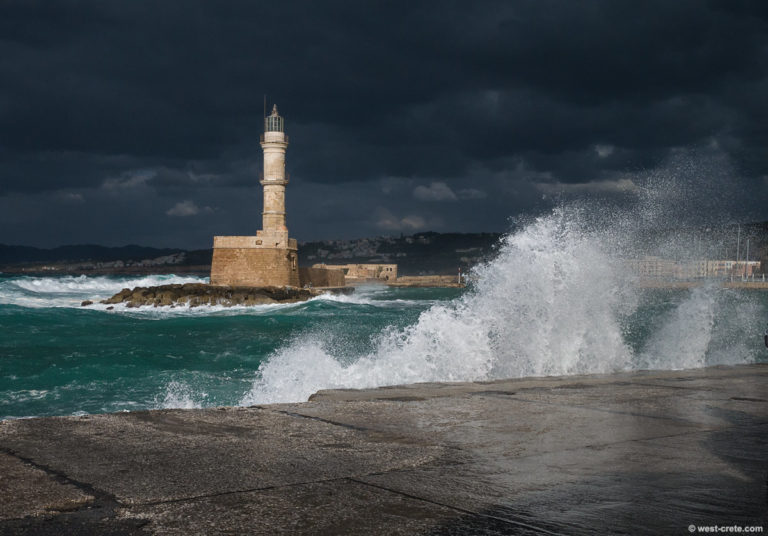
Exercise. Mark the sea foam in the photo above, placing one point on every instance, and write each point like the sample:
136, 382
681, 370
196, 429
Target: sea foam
180, 395
70, 291
557, 300
550, 303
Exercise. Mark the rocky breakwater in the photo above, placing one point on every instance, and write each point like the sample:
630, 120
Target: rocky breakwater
196, 294
426, 281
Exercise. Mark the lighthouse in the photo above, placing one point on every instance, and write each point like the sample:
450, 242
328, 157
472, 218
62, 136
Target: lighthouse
274, 143
269, 259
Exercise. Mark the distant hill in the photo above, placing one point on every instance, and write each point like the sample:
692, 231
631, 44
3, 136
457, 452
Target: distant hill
418, 254
422, 253
81, 253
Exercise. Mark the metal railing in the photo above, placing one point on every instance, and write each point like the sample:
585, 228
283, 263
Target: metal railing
261, 139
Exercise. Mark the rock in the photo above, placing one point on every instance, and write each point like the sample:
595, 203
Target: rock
86, 302
119, 297
199, 294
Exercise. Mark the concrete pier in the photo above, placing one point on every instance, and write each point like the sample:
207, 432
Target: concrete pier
639, 453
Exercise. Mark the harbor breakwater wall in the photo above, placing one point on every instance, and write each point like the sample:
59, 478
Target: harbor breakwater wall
639, 453
743, 285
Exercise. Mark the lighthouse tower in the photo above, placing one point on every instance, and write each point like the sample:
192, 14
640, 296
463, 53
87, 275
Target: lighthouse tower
274, 142
270, 258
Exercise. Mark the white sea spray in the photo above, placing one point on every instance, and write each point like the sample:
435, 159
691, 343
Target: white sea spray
180, 395
70, 291
551, 302
558, 299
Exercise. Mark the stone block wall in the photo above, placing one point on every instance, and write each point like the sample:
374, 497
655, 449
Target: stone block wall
254, 267
381, 272
321, 277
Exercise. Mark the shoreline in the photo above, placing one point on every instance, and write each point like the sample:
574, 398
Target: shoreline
493, 457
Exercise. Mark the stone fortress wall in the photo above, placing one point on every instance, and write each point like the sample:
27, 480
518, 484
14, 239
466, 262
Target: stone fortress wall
321, 277
363, 272
243, 263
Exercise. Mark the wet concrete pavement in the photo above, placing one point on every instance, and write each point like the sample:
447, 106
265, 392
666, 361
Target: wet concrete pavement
639, 453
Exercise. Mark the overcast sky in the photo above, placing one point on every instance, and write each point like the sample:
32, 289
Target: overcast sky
138, 122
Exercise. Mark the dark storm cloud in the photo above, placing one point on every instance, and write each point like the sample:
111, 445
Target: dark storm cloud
402, 116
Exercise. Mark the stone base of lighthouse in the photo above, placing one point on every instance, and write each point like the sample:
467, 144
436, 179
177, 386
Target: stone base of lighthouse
268, 259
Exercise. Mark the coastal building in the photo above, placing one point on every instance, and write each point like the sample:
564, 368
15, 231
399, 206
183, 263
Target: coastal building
745, 268
364, 272
270, 258
693, 269
651, 267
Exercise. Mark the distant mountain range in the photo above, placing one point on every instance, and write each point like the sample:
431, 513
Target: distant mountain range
421, 253
83, 253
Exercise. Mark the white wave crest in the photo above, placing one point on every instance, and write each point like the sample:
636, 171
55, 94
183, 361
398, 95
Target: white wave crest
706, 328
179, 395
83, 283
186, 310
550, 303
380, 296
70, 291
555, 301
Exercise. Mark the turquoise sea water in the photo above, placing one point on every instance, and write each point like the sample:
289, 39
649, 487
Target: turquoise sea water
57, 358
